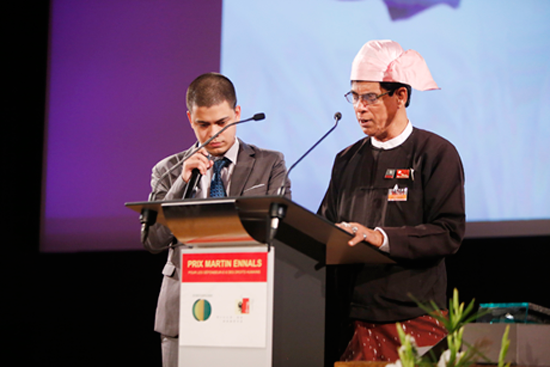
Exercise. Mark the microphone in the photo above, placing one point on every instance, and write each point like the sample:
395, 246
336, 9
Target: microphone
277, 211
192, 184
148, 217
282, 188
257, 117
196, 174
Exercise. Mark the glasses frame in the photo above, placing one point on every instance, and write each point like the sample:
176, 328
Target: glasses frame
350, 97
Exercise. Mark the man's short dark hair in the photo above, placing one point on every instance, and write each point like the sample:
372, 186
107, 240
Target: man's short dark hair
210, 89
391, 87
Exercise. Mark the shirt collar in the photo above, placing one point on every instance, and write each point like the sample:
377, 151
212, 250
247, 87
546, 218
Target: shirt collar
233, 152
395, 142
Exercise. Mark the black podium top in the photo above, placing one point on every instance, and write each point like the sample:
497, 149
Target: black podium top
245, 220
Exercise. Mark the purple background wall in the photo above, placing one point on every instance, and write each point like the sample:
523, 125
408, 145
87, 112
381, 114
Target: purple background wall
118, 73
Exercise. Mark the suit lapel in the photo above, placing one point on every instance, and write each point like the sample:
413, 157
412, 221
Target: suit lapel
245, 163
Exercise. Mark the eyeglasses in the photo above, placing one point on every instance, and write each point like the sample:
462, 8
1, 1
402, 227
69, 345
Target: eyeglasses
368, 98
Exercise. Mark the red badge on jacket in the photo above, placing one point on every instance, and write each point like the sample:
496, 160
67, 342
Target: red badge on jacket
403, 173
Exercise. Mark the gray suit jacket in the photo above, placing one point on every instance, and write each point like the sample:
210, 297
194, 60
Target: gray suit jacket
257, 172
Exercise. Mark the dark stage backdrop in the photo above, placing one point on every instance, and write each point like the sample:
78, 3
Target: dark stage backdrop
104, 317
97, 308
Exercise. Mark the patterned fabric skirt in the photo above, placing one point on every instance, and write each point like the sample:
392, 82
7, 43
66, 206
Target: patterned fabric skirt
379, 342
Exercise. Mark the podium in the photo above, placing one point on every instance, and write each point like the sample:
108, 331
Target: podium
248, 299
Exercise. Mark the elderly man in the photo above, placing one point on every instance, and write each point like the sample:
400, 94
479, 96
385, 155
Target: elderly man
400, 189
229, 167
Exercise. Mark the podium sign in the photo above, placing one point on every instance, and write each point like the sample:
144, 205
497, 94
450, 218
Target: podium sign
226, 312
224, 299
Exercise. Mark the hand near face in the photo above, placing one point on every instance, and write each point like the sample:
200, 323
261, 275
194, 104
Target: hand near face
199, 161
362, 233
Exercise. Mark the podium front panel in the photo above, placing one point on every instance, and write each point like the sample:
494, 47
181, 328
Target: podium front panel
226, 308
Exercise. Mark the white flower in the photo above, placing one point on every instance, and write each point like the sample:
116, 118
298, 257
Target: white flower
446, 356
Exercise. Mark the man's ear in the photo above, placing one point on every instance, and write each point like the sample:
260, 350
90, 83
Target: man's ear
402, 96
189, 118
238, 112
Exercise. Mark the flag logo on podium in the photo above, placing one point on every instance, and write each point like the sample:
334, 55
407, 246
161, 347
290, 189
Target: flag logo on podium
243, 306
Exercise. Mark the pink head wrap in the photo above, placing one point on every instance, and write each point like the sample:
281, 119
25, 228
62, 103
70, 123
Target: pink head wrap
385, 61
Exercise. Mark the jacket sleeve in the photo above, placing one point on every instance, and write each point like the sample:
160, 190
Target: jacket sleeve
160, 237
443, 223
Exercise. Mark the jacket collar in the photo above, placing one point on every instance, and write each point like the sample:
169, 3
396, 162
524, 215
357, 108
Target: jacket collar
245, 164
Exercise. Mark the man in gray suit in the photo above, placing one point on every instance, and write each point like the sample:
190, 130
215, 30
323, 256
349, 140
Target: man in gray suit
246, 171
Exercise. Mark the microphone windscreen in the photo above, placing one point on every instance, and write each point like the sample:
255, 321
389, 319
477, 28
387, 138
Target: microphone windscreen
337, 116
259, 116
